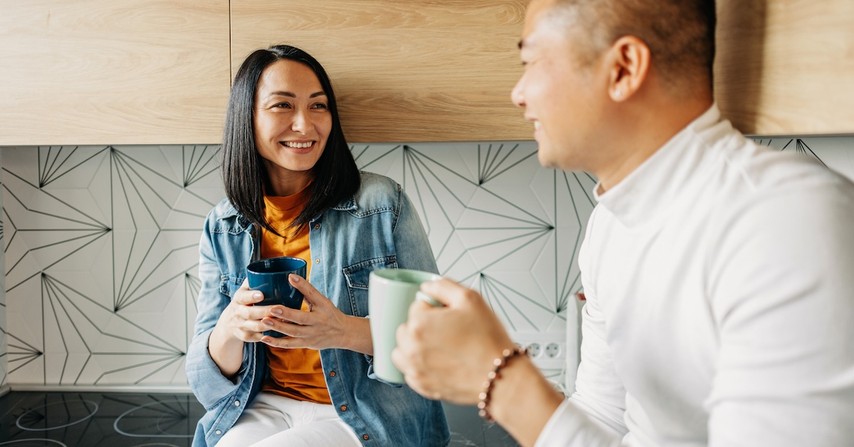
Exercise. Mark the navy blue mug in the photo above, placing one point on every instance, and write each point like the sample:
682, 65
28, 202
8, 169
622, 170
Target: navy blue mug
270, 277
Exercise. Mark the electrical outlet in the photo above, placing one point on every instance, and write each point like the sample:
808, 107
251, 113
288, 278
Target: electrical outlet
546, 349
553, 350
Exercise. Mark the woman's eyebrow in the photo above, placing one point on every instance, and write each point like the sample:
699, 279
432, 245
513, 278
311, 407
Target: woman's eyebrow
293, 95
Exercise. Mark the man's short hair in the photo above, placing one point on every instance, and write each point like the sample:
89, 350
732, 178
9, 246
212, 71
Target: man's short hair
679, 33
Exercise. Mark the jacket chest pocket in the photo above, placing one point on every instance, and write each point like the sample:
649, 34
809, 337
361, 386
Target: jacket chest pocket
358, 275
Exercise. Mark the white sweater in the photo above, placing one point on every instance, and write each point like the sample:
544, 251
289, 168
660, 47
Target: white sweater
720, 302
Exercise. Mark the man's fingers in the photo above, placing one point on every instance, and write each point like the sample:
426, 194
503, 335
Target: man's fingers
447, 292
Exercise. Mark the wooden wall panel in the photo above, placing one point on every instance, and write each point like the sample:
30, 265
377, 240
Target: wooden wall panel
416, 70
113, 72
158, 72
786, 67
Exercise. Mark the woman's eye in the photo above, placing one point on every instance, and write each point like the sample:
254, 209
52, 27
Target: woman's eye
320, 106
282, 105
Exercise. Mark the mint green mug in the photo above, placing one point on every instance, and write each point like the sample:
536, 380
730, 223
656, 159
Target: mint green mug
390, 293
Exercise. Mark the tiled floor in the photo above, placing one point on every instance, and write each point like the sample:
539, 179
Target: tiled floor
30, 419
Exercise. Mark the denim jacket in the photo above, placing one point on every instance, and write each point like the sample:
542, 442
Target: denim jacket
378, 228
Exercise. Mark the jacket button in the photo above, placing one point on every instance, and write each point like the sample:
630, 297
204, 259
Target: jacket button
218, 432
332, 373
316, 226
317, 260
366, 437
343, 407
237, 403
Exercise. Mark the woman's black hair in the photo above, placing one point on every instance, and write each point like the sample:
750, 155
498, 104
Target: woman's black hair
336, 176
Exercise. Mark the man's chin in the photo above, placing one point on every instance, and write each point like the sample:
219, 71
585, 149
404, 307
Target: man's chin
543, 157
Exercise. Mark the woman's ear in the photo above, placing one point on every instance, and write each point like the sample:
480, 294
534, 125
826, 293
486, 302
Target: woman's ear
628, 60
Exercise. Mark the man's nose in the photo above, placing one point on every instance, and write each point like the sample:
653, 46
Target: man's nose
516, 94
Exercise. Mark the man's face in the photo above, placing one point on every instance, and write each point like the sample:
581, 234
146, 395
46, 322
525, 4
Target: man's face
560, 96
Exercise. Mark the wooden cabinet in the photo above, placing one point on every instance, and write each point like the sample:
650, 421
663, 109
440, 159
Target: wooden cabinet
158, 72
786, 67
415, 70
113, 72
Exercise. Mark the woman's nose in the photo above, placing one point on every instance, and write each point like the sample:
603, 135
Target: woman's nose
301, 121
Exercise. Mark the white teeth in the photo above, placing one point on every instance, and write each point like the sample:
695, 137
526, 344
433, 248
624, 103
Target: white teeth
296, 145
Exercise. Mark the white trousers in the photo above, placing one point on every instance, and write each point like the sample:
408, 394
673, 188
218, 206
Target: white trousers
276, 421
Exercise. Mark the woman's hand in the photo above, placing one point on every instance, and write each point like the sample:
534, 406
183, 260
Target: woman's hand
242, 319
239, 322
323, 326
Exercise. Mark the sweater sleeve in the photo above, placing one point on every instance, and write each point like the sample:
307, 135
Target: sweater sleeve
782, 287
593, 416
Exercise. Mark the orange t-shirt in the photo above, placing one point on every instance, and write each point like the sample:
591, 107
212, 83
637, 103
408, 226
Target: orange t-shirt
294, 373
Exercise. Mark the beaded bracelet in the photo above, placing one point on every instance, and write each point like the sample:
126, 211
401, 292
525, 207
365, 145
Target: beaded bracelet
497, 365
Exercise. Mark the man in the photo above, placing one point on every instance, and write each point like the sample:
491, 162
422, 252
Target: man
719, 276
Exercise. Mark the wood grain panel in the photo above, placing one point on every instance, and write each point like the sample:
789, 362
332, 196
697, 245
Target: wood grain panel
157, 72
786, 67
113, 72
417, 70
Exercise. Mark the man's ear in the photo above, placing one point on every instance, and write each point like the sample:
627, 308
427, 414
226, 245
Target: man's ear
628, 60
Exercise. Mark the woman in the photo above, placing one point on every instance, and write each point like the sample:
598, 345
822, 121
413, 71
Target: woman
294, 189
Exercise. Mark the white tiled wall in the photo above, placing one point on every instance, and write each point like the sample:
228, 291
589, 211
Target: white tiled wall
100, 246
3, 356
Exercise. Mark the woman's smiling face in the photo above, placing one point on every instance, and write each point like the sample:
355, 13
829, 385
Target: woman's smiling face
292, 123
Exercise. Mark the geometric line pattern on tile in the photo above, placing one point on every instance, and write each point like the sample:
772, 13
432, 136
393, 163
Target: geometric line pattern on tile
55, 163
505, 299
61, 224
71, 215
20, 353
199, 162
438, 192
78, 319
800, 146
437, 197
145, 246
146, 219
192, 286
3, 338
494, 164
479, 218
578, 188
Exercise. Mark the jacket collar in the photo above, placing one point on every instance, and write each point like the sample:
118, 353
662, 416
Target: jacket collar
228, 212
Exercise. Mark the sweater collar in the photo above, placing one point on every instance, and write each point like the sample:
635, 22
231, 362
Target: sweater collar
648, 192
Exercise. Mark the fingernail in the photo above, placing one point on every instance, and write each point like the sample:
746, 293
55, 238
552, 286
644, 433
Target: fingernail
256, 295
276, 311
295, 278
